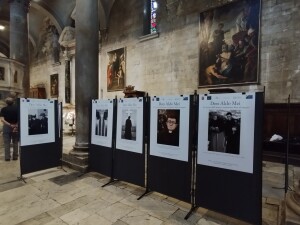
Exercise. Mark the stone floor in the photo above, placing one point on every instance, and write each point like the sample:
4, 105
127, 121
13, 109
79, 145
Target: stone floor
63, 196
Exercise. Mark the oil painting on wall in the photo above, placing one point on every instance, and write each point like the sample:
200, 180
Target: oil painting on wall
2, 73
116, 70
229, 46
54, 85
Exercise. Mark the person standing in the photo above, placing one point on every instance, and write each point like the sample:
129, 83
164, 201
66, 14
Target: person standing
9, 118
128, 125
232, 134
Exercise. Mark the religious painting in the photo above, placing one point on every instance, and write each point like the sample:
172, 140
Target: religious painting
54, 85
2, 73
116, 70
16, 76
229, 44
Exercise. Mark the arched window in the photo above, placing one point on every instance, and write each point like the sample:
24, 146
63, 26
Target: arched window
153, 22
150, 14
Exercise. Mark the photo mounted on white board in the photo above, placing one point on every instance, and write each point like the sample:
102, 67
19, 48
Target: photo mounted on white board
168, 126
224, 131
129, 124
101, 122
37, 121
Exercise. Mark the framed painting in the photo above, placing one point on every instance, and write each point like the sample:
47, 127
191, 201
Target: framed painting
54, 85
229, 45
116, 70
2, 73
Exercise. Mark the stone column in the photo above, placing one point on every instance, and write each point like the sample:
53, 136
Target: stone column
86, 71
19, 38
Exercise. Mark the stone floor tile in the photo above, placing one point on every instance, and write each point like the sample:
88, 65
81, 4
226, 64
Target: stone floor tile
204, 221
74, 217
120, 222
95, 206
70, 206
138, 217
56, 221
112, 198
270, 212
115, 211
179, 218
38, 220
94, 220
26, 211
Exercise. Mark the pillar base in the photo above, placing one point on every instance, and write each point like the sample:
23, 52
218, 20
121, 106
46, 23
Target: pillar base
77, 159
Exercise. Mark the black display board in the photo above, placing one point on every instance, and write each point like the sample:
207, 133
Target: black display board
168, 176
130, 166
101, 158
236, 194
41, 156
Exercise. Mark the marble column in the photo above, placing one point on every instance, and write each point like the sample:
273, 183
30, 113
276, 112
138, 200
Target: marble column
19, 38
86, 70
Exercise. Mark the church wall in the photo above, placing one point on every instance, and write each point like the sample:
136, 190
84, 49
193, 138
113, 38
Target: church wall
168, 65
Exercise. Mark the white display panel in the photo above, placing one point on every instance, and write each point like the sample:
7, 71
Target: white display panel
226, 131
37, 121
102, 122
130, 124
169, 129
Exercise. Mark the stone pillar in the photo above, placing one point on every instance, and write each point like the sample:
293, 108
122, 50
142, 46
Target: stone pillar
86, 72
19, 38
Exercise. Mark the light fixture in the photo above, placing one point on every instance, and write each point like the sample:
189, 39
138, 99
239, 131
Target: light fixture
2, 27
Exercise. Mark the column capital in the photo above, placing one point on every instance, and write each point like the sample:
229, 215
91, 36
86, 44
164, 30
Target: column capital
26, 3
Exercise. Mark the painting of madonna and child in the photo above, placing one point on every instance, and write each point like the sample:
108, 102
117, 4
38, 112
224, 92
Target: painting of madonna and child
228, 39
224, 131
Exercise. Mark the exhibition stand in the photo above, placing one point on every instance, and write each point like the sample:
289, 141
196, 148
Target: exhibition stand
169, 158
129, 163
40, 134
102, 147
229, 179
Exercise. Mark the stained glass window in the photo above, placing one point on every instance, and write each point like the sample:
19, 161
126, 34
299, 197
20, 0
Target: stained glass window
153, 25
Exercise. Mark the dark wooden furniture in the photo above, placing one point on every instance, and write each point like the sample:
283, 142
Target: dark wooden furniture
38, 92
280, 118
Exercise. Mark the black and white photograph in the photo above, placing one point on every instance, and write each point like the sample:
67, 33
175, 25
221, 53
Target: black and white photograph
226, 131
130, 124
169, 127
102, 122
37, 121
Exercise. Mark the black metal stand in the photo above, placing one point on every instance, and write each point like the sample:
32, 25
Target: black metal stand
147, 191
286, 183
21, 178
111, 181
194, 156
